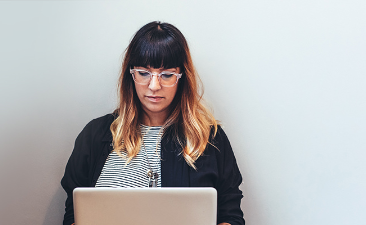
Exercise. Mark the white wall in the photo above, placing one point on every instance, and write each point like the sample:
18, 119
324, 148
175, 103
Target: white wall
286, 78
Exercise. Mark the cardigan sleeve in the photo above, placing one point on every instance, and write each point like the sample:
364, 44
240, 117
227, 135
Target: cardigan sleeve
227, 184
91, 149
77, 171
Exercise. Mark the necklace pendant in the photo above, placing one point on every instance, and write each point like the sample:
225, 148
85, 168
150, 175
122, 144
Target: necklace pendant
153, 179
153, 183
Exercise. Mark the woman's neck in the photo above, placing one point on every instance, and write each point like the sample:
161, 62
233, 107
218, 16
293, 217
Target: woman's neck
154, 119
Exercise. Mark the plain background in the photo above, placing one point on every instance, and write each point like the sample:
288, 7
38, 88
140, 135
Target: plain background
285, 77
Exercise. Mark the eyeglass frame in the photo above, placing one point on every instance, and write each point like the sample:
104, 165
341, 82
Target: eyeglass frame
179, 75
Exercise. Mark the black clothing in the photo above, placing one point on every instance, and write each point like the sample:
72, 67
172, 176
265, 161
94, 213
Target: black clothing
215, 168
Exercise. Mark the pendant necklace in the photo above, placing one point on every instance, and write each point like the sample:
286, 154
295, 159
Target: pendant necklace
153, 176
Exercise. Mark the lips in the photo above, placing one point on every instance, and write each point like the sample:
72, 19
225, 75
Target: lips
154, 98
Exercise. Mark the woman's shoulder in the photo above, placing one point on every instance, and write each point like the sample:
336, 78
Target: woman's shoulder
105, 120
217, 133
100, 127
219, 142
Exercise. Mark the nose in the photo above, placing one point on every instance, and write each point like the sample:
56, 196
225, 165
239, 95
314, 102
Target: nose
154, 83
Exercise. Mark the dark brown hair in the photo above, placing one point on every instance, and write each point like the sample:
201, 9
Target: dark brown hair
162, 45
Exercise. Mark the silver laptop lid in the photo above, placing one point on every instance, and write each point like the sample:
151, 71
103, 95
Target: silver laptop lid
147, 206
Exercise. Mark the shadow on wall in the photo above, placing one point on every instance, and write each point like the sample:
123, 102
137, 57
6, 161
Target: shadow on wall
56, 209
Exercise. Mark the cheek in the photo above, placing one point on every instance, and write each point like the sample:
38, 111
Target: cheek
172, 93
139, 91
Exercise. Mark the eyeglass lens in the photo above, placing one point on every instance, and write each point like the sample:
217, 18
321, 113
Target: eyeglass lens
166, 78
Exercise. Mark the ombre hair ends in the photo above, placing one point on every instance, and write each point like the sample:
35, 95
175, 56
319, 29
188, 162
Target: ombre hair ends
161, 45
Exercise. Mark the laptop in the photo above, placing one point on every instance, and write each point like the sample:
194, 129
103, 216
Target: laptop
145, 206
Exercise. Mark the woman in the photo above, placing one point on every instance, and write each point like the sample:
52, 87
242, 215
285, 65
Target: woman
161, 135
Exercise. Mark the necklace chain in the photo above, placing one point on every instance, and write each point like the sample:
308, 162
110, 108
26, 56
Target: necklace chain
153, 176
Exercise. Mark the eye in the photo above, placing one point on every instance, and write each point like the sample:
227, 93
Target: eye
167, 75
143, 73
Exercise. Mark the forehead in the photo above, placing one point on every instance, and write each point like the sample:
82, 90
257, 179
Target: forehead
151, 69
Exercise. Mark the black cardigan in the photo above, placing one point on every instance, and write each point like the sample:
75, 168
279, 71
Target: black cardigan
215, 168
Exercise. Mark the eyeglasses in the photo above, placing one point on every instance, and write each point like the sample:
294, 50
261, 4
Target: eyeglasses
166, 78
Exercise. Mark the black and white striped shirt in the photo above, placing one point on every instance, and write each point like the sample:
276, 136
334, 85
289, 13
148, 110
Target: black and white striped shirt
116, 173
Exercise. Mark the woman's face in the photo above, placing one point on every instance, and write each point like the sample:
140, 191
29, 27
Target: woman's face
155, 99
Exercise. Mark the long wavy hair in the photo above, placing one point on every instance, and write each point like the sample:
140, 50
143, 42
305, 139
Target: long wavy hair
191, 124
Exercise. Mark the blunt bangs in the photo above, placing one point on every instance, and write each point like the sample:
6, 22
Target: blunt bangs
158, 48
